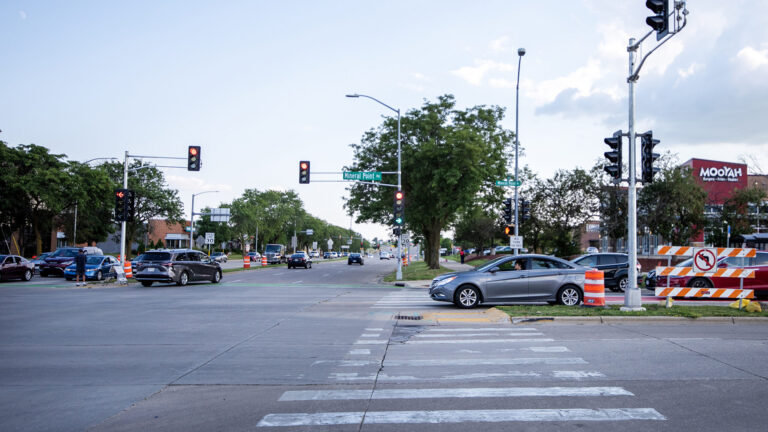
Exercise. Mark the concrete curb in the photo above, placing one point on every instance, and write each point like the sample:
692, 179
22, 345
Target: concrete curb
646, 319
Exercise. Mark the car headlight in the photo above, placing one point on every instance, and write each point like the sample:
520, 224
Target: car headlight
446, 281
92, 271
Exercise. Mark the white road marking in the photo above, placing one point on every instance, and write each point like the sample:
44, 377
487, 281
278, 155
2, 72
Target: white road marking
471, 341
484, 329
577, 374
297, 282
448, 335
463, 362
545, 349
459, 416
371, 342
318, 395
399, 378
370, 335
374, 329
360, 352
326, 275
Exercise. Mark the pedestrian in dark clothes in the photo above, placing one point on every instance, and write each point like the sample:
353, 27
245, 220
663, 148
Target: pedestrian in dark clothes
80, 267
461, 253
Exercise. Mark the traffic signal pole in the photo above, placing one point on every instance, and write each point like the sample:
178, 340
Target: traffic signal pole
122, 227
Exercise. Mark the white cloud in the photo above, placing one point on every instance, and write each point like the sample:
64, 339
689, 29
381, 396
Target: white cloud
751, 58
23, 14
692, 69
500, 44
475, 75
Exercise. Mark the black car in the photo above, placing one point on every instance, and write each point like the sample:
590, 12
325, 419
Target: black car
15, 267
355, 258
56, 262
300, 259
177, 265
615, 267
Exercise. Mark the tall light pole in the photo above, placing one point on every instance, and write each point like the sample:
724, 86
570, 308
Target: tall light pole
192, 219
399, 274
520, 54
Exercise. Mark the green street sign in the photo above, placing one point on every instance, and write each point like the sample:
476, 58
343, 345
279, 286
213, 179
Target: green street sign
362, 175
508, 182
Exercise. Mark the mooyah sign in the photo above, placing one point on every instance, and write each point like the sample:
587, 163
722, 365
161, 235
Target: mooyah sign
720, 174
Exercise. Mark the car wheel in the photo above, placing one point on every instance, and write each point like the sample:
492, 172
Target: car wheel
569, 295
467, 297
183, 279
99, 275
289, 266
700, 283
146, 283
216, 277
623, 283
27, 275
310, 265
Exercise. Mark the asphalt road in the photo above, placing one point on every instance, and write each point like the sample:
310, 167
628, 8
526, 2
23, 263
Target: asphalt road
320, 349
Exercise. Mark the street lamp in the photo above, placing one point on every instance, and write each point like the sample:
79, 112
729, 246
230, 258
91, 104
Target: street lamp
399, 274
192, 219
520, 54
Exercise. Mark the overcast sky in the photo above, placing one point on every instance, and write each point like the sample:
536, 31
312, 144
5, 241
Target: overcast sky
260, 85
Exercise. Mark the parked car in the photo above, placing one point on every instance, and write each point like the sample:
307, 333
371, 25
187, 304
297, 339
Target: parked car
254, 256
592, 249
56, 262
219, 257
176, 265
384, 255
355, 258
513, 279
615, 267
759, 283
37, 260
334, 255
96, 268
15, 267
314, 254
326, 255
300, 259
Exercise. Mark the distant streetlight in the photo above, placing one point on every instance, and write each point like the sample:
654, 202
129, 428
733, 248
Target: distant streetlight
192, 219
399, 274
520, 54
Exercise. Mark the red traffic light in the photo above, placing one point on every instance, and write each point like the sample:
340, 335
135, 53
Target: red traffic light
399, 195
193, 151
304, 165
120, 194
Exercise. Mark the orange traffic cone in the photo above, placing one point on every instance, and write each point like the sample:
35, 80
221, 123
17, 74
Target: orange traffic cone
246, 262
594, 288
128, 269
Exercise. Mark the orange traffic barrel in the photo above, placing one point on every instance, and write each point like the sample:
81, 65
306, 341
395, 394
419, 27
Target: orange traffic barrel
246, 262
264, 261
594, 288
128, 269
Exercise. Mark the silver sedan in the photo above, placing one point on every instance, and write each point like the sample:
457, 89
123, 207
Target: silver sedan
513, 279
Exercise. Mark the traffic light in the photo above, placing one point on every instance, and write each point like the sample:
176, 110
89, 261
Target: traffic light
509, 230
304, 172
193, 158
396, 231
120, 201
130, 208
508, 211
659, 21
399, 208
526, 210
648, 156
614, 156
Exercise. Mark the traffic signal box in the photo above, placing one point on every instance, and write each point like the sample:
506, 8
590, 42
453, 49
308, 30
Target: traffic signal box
193, 158
648, 157
659, 21
399, 209
304, 172
124, 205
508, 211
614, 156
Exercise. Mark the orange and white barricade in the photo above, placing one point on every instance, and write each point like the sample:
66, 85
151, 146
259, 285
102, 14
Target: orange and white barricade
594, 288
264, 261
721, 252
128, 269
246, 262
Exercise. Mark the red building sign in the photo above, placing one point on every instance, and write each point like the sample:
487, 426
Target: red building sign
719, 179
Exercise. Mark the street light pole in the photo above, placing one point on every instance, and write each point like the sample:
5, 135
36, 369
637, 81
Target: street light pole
520, 54
399, 274
192, 218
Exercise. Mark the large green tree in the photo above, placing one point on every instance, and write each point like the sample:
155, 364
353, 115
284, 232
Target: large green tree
450, 159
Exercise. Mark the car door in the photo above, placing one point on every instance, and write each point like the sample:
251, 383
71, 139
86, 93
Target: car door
607, 264
545, 277
195, 265
206, 265
507, 283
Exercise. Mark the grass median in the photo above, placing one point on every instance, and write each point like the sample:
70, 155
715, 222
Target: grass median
652, 310
418, 270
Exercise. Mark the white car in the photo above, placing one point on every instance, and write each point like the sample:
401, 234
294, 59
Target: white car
592, 249
384, 255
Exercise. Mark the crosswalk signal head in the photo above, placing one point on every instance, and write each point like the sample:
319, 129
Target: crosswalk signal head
304, 172
193, 158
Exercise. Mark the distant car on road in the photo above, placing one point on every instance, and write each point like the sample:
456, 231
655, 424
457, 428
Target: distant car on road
176, 265
254, 256
219, 257
592, 249
97, 267
355, 258
56, 262
384, 255
513, 279
300, 259
37, 260
15, 267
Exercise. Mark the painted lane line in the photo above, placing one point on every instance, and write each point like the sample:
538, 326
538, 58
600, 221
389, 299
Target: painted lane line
370, 335
319, 395
577, 374
448, 335
483, 329
360, 352
401, 378
471, 341
374, 329
371, 342
463, 362
459, 416
326, 275
554, 349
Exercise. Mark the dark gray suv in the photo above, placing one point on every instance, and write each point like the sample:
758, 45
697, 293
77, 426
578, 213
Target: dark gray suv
177, 265
615, 267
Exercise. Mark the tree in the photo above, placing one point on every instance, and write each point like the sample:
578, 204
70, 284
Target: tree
476, 228
91, 194
673, 205
221, 230
736, 214
449, 158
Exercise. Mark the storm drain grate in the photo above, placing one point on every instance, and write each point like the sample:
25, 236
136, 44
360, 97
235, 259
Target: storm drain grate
408, 317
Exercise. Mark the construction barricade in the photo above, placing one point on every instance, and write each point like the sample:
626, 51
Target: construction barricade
594, 288
246, 262
128, 269
264, 261
705, 265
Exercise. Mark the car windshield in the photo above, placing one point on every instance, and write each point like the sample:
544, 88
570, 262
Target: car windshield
492, 264
272, 249
297, 255
157, 256
66, 253
354, 255
2, 258
94, 260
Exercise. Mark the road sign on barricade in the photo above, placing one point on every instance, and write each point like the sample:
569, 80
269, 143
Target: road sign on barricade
705, 292
721, 272
721, 252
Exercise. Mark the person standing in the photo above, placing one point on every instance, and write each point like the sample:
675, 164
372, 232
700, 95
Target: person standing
80, 267
461, 254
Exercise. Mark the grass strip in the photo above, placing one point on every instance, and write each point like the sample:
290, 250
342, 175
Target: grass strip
614, 310
418, 270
